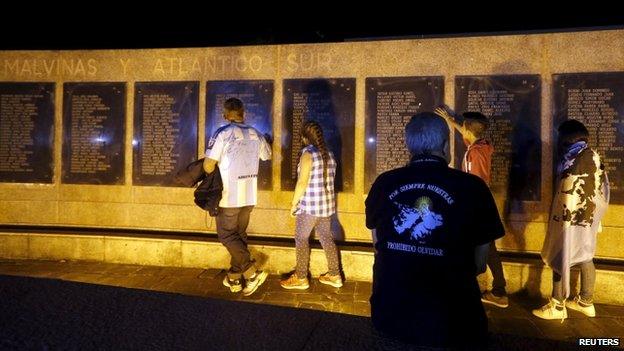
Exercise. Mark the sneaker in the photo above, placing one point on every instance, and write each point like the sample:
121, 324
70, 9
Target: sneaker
333, 280
293, 282
254, 282
552, 310
498, 301
578, 305
234, 285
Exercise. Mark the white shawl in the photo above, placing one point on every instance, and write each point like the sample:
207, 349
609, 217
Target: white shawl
579, 203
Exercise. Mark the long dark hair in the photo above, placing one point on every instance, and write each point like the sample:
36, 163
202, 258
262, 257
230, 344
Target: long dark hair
313, 132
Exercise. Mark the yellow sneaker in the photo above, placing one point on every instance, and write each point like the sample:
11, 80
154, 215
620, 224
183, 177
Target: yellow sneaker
293, 282
498, 301
333, 280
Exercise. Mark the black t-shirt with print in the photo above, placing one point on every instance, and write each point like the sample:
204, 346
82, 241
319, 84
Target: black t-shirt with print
428, 220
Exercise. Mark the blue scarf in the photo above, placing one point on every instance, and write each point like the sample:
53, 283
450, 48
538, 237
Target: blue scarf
570, 155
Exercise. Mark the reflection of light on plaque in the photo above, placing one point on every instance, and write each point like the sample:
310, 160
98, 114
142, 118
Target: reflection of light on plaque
99, 140
135, 142
371, 140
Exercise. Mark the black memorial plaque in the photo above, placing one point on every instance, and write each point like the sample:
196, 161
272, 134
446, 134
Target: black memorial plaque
26, 132
331, 103
596, 100
513, 105
165, 131
390, 104
94, 133
257, 97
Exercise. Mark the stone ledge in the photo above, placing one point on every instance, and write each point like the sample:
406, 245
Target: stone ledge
529, 276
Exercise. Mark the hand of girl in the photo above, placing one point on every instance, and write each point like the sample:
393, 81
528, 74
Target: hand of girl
293, 210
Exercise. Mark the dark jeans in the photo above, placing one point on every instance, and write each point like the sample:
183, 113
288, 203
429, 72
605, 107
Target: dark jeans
494, 262
588, 279
232, 232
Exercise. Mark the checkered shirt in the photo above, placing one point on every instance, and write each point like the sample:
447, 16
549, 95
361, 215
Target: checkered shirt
318, 200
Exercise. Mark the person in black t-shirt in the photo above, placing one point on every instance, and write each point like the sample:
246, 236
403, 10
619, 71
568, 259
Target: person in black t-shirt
431, 229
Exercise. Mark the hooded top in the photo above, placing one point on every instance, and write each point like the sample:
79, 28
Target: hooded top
580, 201
478, 159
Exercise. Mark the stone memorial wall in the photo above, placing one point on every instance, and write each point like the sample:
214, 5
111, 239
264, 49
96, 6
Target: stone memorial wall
165, 131
93, 133
93, 138
258, 99
512, 104
26, 132
597, 100
331, 103
390, 104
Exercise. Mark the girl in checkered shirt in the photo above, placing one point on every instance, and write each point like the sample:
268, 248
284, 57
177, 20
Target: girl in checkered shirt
313, 204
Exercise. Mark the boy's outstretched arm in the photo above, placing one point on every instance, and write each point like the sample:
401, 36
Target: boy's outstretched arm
445, 113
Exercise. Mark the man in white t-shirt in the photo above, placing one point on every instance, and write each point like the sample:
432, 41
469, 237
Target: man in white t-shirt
236, 148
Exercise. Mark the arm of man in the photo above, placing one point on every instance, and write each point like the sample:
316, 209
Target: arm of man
302, 182
213, 154
374, 236
481, 254
442, 112
373, 204
486, 223
209, 165
265, 146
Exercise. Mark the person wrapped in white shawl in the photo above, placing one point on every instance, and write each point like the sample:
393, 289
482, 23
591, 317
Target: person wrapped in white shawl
580, 201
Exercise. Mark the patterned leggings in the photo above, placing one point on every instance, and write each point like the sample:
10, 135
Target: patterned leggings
305, 224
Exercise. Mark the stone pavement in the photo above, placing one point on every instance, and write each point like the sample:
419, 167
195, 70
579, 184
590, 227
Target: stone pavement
352, 298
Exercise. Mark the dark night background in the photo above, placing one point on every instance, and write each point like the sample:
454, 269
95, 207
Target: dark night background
109, 26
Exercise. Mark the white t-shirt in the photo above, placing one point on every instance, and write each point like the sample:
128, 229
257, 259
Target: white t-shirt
237, 147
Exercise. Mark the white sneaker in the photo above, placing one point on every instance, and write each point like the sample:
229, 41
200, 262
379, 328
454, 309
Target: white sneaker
578, 305
552, 310
254, 282
234, 285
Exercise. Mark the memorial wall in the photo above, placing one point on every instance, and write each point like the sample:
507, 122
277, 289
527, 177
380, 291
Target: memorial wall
94, 138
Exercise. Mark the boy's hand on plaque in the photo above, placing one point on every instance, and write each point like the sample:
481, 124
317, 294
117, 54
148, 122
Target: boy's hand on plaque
444, 113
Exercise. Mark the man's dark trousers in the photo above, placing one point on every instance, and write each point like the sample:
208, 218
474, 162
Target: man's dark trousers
232, 233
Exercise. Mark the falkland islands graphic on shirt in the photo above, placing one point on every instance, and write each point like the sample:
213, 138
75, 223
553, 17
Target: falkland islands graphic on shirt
419, 221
